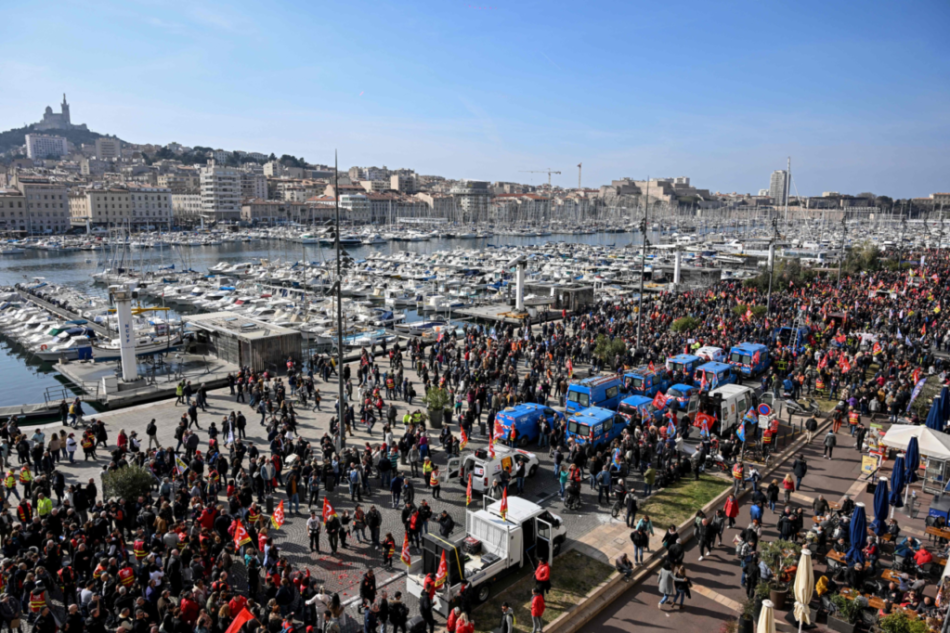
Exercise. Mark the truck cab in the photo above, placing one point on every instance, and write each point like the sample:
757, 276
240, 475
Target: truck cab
715, 374
485, 470
685, 364
526, 418
712, 354
595, 425
644, 381
597, 391
490, 547
750, 359
644, 406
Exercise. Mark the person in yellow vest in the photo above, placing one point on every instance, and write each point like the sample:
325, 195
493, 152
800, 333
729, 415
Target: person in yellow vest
99, 570
406, 419
738, 472
37, 600
44, 505
26, 478
9, 482
253, 515
427, 468
127, 576
138, 547
435, 483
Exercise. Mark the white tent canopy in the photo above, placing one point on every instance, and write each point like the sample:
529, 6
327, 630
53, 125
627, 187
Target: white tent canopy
931, 443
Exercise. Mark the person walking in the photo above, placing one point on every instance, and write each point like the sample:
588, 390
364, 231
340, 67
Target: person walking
830, 442
667, 584
811, 425
706, 535
681, 582
537, 611
799, 469
731, 509
788, 485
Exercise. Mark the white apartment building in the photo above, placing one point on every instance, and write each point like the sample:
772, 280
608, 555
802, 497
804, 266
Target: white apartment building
778, 186
220, 192
108, 149
355, 208
253, 185
220, 156
40, 146
186, 206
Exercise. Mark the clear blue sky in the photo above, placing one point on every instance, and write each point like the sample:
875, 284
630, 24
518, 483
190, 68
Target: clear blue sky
856, 93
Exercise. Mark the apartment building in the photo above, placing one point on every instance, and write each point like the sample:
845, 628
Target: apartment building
40, 146
100, 207
47, 204
186, 206
13, 210
151, 206
108, 149
220, 192
253, 185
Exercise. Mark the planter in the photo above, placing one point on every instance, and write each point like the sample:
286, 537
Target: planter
840, 625
746, 625
778, 596
435, 418
757, 609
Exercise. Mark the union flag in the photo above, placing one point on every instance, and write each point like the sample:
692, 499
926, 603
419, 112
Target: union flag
277, 519
443, 572
499, 430
504, 504
241, 536
328, 510
845, 365
876, 349
463, 442
651, 366
468, 490
491, 446
659, 400
404, 556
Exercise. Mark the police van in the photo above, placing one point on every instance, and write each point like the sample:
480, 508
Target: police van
714, 375
596, 426
685, 363
598, 391
749, 359
526, 418
644, 381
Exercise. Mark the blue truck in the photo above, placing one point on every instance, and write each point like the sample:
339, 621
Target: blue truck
715, 375
526, 419
596, 425
597, 391
750, 359
644, 381
685, 363
642, 405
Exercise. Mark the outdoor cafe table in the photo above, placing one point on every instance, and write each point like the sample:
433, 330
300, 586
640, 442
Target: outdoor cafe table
873, 601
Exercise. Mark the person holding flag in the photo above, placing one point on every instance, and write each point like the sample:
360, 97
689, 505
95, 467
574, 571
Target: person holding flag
389, 550
241, 537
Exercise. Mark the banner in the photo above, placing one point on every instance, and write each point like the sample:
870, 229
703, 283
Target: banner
277, 519
405, 551
241, 536
868, 464
916, 392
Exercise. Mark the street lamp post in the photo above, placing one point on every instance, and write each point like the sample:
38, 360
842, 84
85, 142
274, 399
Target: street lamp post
900, 246
340, 414
768, 298
844, 235
643, 270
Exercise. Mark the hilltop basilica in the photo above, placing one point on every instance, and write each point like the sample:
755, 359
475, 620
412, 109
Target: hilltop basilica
53, 121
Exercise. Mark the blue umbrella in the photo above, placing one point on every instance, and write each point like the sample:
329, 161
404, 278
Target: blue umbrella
879, 524
945, 403
912, 461
898, 481
859, 534
933, 418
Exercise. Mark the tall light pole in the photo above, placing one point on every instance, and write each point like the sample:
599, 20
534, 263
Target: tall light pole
844, 235
900, 245
340, 414
768, 298
643, 262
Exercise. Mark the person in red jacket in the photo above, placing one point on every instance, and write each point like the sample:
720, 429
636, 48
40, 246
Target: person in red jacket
543, 577
922, 557
189, 609
463, 625
537, 611
451, 625
731, 509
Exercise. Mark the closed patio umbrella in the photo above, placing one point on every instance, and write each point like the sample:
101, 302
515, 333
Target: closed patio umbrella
879, 524
803, 589
945, 404
912, 461
933, 417
898, 480
766, 623
859, 534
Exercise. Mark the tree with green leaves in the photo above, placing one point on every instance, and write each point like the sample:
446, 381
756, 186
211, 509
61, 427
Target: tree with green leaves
685, 324
128, 482
608, 350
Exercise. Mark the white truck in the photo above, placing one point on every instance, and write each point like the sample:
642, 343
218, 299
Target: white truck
728, 404
485, 469
490, 548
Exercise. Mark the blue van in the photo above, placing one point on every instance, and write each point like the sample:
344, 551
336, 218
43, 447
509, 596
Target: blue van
686, 363
716, 374
644, 381
598, 391
793, 337
596, 425
750, 359
526, 419
643, 405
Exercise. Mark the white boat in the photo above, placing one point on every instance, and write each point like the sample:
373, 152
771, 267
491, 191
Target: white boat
144, 346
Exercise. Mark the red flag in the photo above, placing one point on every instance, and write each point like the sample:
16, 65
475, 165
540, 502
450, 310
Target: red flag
328, 510
404, 556
491, 446
468, 490
702, 382
916, 375
240, 535
442, 573
463, 442
845, 365
876, 349
499, 431
748, 314
570, 368
504, 504
240, 620
659, 400
277, 519
651, 366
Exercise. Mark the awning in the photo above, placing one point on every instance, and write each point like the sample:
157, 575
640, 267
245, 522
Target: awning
932, 444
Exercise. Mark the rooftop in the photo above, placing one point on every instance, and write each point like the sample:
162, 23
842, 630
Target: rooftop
241, 327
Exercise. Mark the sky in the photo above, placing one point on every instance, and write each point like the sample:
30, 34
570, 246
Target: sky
723, 92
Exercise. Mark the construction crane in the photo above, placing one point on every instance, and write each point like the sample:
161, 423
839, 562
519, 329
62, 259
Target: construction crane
542, 171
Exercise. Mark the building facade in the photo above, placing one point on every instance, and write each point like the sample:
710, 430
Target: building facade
40, 146
472, 200
778, 187
100, 207
108, 149
13, 210
47, 204
253, 185
220, 192
151, 206
186, 206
